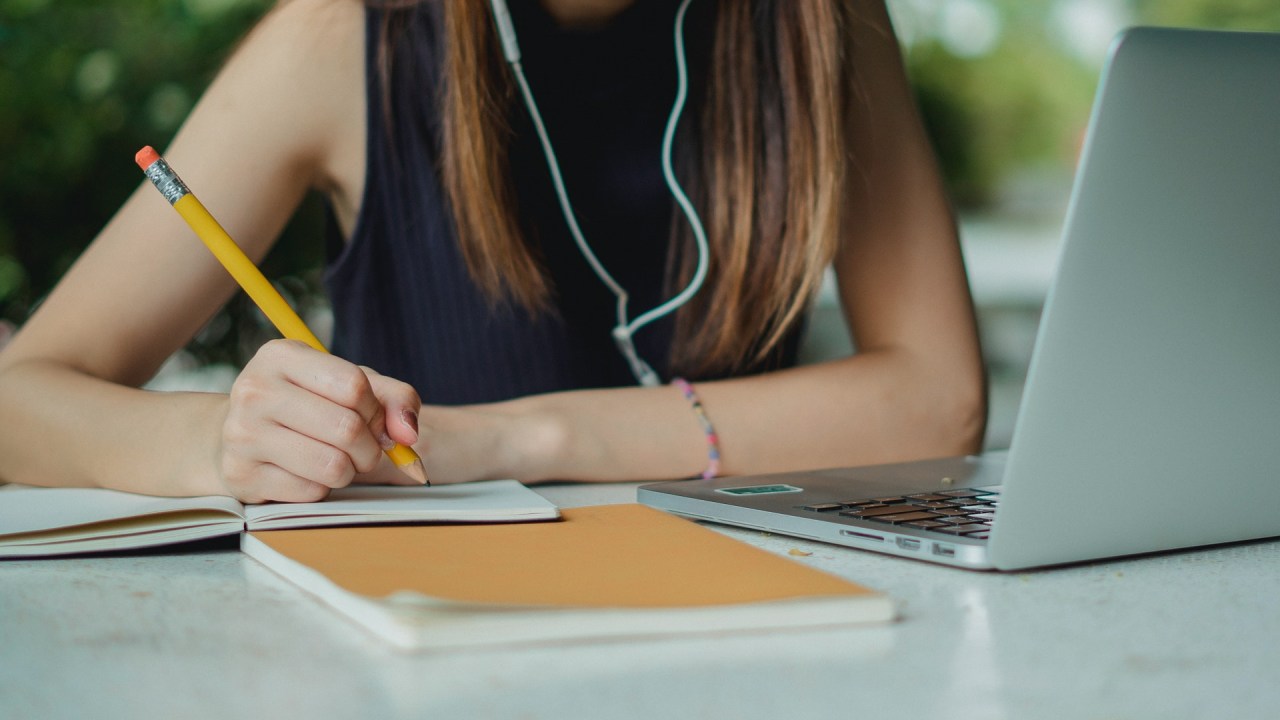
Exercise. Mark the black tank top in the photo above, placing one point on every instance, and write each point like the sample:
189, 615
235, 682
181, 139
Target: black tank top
403, 301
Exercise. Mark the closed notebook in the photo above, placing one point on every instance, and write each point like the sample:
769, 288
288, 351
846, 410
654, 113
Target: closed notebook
613, 570
37, 522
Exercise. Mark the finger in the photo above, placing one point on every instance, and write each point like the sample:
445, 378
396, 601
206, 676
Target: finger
332, 425
326, 375
271, 483
251, 481
262, 401
400, 405
307, 457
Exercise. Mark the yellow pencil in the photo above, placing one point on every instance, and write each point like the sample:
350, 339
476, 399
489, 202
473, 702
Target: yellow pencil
250, 278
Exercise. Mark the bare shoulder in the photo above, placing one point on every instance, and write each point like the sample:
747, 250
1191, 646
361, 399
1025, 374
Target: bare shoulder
301, 44
310, 26
322, 44
314, 31
293, 89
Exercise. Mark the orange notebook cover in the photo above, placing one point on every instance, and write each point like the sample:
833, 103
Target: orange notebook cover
600, 571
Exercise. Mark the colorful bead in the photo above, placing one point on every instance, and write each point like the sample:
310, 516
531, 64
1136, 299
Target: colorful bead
713, 440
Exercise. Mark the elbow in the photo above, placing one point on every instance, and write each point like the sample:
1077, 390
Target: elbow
948, 417
964, 425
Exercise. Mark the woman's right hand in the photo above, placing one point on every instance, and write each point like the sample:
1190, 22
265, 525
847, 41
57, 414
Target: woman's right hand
300, 423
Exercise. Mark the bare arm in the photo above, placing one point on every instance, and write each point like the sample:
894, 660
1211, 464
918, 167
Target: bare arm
284, 115
915, 388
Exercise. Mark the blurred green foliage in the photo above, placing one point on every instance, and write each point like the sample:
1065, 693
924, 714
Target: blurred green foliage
84, 84
1024, 103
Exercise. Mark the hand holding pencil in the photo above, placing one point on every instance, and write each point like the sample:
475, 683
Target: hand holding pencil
275, 308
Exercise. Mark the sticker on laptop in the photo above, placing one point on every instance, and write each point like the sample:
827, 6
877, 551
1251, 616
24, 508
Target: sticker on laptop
759, 490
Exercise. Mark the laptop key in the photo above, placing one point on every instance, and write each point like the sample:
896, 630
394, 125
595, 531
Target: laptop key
927, 496
822, 507
948, 511
881, 510
964, 529
962, 493
924, 524
905, 517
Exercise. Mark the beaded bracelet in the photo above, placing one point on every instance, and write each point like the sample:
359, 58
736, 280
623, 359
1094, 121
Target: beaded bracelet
713, 440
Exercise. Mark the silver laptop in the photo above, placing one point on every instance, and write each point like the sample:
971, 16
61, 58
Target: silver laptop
1150, 417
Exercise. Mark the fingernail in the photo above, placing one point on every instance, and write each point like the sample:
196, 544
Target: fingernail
385, 441
410, 418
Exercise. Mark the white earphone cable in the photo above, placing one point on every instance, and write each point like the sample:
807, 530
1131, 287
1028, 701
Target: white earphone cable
623, 331
695, 223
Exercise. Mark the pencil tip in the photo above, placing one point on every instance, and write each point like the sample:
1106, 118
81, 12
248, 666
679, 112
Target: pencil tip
416, 471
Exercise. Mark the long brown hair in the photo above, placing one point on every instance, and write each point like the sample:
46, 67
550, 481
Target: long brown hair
767, 176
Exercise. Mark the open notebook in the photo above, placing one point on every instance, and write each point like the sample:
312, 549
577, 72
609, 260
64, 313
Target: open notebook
37, 522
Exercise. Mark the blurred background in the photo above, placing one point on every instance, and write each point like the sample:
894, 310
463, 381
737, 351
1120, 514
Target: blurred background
1005, 87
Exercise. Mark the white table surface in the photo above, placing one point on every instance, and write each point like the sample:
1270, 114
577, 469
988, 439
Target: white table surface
211, 634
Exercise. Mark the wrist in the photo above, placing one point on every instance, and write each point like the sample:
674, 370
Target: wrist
199, 466
713, 439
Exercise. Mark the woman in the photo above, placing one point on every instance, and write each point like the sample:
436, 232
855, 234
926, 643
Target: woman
455, 275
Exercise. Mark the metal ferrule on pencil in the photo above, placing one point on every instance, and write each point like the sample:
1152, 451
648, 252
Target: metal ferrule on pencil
166, 181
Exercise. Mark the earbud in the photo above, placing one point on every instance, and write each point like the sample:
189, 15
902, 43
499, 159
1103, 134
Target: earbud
625, 330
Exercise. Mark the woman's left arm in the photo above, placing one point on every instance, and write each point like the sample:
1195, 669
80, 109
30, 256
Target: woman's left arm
914, 388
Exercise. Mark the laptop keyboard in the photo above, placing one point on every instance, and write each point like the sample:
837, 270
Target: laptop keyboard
966, 513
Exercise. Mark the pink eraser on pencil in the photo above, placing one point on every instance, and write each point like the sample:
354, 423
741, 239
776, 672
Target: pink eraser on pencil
146, 156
